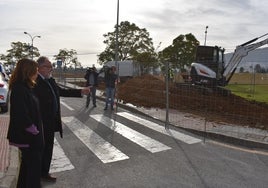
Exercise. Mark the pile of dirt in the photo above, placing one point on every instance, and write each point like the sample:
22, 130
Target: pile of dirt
149, 91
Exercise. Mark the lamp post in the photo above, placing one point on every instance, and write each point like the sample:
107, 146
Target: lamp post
117, 33
116, 50
206, 31
32, 39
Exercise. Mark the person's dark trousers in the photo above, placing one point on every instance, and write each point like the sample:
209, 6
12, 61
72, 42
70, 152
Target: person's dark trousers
88, 99
48, 151
93, 95
30, 169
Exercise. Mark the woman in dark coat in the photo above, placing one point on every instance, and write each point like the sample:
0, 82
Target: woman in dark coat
25, 126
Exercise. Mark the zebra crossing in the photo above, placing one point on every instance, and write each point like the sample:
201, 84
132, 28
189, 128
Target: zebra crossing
156, 127
136, 137
60, 161
107, 152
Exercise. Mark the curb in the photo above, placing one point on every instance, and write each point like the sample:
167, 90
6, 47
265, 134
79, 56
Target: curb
228, 139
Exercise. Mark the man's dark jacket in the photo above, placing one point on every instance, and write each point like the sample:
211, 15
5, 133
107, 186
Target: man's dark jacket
52, 119
95, 77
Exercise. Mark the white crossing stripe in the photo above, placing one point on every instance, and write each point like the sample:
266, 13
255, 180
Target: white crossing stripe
105, 151
66, 105
59, 162
175, 134
136, 137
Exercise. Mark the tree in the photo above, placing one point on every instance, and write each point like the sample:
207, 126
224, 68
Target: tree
146, 61
76, 63
181, 53
133, 44
68, 58
258, 68
18, 51
241, 69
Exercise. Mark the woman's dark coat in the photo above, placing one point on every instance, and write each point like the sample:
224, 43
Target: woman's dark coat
24, 112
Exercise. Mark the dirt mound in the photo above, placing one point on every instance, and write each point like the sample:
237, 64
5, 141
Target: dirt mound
149, 91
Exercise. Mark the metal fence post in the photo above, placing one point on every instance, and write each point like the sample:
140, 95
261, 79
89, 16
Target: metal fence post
167, 96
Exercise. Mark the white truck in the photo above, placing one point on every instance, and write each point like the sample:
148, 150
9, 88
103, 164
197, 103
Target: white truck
125, 69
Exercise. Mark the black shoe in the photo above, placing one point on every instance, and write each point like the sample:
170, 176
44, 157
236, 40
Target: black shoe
49, 178
94, 105
105, 108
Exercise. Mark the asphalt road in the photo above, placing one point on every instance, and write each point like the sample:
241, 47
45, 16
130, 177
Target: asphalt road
123, 150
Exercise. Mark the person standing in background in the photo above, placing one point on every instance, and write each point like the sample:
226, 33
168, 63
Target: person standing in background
110, 79
91, 77
25, 127
48, 93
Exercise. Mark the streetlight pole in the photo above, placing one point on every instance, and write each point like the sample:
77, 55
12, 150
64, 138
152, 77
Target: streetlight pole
117, 33
206, 35
32, 39
116, 51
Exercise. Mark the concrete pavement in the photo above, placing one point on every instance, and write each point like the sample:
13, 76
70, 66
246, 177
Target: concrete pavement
244, 136
9, 157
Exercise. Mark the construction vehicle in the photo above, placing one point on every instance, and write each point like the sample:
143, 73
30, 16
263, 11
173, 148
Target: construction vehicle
209, 68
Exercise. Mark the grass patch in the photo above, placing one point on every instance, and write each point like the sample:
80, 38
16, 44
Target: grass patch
251, 92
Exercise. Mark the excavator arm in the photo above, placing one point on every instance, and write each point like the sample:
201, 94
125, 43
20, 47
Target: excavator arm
240, 52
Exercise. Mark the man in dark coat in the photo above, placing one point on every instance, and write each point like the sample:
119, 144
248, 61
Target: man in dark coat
48, 93
110, 79
92, 81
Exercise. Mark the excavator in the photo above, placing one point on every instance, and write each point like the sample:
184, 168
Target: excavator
209, 68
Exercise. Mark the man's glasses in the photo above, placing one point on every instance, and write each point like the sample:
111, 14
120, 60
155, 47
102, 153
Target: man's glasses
48, 66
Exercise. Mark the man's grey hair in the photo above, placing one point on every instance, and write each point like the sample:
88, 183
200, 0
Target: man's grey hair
41, 60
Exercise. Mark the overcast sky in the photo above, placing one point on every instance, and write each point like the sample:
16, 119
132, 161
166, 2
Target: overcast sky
80, 24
